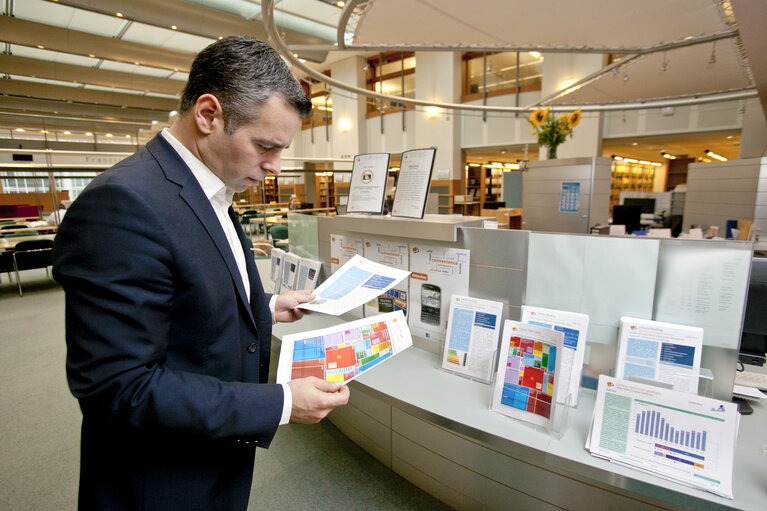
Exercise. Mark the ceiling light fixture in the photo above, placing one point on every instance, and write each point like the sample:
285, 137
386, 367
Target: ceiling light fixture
668, 156
173, 27
119, 14
715, 156
67, 133
340, 4
20, 130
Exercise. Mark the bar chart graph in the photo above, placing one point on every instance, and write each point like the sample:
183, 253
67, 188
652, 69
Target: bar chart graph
654, 424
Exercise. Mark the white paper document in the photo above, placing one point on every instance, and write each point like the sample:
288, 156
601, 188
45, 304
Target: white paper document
413, 183
343, 352
437, 274
527, 381
688, 439
574, 326
472, 337
368, 183
705, 287
665, 352
356, 282
395, 255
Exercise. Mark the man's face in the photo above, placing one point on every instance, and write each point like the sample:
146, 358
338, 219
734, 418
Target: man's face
250, 153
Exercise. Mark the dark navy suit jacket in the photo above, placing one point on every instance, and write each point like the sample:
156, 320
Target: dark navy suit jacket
165, 354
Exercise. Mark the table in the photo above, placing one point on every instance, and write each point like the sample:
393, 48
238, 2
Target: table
44, 228
10, 243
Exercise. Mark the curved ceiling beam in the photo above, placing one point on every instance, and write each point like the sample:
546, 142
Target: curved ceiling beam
276, 41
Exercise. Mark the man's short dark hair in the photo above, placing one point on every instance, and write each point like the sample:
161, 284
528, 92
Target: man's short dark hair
242, 73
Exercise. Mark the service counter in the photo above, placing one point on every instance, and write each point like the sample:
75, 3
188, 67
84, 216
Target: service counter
435, 429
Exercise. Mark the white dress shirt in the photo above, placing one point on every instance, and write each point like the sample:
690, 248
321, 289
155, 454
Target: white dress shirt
220, 198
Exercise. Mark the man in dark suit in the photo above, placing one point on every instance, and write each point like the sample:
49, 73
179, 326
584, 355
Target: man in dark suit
168, 328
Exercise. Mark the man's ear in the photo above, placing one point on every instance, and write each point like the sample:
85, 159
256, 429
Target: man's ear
207, 113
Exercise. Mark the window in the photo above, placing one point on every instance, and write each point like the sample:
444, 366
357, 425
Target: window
322, 102
390, 73
495, 74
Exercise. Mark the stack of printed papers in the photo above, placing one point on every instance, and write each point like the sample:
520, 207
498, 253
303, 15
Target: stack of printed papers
675, 435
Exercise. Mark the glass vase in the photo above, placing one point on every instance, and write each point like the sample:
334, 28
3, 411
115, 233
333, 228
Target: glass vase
552, 152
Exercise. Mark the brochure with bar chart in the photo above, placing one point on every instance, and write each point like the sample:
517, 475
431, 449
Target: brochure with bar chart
664, 352
528, 373
686, 438
343, 352
472, 337
574, 326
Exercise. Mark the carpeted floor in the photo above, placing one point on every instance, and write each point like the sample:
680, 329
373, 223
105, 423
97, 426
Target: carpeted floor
307, 467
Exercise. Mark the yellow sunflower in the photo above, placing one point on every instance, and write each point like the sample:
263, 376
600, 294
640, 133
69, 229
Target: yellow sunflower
574, 119
538, 117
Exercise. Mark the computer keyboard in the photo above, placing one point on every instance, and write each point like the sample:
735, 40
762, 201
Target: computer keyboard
751, 379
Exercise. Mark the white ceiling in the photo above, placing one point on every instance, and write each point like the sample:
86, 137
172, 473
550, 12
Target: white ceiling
108, 57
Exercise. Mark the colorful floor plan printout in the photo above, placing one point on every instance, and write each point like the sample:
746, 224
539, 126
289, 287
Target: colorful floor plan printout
343, 352
526, 381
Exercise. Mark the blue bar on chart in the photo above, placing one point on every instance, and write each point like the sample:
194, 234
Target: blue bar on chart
654, 425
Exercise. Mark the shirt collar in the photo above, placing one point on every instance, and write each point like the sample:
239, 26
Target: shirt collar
212, 186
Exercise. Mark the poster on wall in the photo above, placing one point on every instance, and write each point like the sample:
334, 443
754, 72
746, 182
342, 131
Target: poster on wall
368, 183
437, 273
395, 255
570, 198
413, 183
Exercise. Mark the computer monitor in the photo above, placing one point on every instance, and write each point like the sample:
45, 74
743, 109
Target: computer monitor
753, 340
628, 216
648, 204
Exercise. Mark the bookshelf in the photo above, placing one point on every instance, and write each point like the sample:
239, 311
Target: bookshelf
325, 190
271, 189
482, 184
630, 177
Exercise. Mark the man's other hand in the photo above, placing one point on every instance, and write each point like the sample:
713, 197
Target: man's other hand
284, 306
314, 399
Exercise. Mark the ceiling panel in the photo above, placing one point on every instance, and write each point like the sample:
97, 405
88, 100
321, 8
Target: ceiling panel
63, 16
165, 38
53, 56
585, 24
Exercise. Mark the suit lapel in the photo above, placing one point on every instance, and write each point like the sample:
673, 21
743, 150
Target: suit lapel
176, 170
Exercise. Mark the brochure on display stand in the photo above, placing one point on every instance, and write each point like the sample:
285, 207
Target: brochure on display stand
395, 255
527, 382
437, 273
675, 435
343, 352
665, 352
308, 274
368, 183
290, 264
413, 183
472, 337
574, 326
356, 282
277, 258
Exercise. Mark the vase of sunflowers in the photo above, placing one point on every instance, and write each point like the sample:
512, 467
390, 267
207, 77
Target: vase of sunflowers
551, 130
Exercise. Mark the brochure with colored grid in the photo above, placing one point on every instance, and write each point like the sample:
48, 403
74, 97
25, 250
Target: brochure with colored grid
343, 352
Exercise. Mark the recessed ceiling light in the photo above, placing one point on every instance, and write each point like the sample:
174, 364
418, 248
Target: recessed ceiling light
43, 131
340, 4
88, 134
137, 63
119, 14
109, 135
67, 133
41, 46
91, 55
20, 130
634, 143
173, 27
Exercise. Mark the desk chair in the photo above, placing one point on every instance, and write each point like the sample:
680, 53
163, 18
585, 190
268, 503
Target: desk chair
6, 263
32, 254
278, 232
